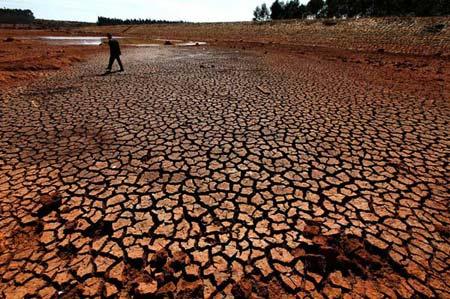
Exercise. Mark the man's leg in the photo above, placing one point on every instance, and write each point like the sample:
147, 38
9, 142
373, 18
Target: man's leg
120, 63
111, 61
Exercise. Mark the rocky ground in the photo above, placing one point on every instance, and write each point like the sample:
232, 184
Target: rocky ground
204, 173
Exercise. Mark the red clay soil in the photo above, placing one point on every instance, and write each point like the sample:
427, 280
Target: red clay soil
408, 55
292, 172
427, 77
329, 263
417, 36
22, 60
402, 54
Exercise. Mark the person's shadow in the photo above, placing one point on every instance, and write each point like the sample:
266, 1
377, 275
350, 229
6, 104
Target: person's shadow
108, 73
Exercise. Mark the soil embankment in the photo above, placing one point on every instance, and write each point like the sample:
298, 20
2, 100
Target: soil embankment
418, 36
23, 59
409, 55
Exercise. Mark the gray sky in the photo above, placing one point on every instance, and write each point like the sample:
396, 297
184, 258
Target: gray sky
186, 10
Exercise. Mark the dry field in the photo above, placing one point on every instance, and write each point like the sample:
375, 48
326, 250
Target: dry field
293, 160
393, 35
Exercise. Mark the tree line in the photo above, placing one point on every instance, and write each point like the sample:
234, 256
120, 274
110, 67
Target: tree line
103, 21
16, 16
292, 9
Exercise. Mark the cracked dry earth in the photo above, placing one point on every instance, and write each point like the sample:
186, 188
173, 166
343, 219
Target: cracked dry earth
208, 173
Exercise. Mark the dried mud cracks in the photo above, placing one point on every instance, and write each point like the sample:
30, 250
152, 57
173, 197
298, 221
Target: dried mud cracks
210, 174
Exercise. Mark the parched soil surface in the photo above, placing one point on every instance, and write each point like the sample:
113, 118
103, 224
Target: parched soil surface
204, 173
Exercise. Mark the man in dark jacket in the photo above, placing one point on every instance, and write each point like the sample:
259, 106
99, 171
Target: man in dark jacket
114, 50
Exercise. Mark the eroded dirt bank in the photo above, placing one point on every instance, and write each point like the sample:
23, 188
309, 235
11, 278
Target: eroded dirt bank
405, 35
23, 59
204, 172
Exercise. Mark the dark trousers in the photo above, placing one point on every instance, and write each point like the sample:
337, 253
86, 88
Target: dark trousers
111, 61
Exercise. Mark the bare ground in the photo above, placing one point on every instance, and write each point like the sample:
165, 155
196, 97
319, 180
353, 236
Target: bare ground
257, 171
206, 172
24, 60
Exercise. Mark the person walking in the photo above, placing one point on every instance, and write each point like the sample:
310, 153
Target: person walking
114, 50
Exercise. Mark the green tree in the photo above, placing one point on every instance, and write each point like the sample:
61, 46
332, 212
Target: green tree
431, 7
337, 8
302, 11
277, 10
332, 7
291, 9
445, 7
257, 14
360, 7
314, 6
16, 16
265, 14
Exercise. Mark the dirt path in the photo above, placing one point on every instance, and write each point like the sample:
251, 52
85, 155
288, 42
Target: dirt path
202, 173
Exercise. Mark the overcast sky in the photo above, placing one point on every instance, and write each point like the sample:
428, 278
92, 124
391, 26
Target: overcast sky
186, 10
